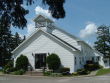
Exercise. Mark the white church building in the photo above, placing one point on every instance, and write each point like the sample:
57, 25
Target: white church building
48, 39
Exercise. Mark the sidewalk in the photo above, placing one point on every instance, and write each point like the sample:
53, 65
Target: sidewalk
92, 74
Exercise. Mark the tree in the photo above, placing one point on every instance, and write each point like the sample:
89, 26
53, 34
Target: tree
53, 61
13, 13
103, 40
16, 40
56, 8
5, 42
22, 62
8, 43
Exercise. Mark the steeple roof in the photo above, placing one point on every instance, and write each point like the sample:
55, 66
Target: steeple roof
41, 18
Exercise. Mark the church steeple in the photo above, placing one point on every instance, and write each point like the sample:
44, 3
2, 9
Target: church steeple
42, 21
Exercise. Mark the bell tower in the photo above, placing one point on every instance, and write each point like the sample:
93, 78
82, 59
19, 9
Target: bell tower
42, 21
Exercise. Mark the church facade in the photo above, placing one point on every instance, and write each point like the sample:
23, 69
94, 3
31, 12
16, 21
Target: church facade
48, 39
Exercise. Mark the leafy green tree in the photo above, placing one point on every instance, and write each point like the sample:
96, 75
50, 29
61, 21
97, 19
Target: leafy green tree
103, 40
13, 13
16, 40
8, 43
22, 62
53, 61
56, 7
5, 42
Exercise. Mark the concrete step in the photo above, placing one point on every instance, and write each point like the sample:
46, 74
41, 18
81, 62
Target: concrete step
94, 72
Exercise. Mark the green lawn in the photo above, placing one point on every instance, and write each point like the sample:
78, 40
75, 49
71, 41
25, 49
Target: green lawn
103, 72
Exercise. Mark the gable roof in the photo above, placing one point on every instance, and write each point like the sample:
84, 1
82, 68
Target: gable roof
71, 46
51, 35
72, 36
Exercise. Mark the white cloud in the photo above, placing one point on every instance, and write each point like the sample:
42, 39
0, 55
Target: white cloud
21, 35
30, 28
38, 10
88, 42
89, 30
44, 12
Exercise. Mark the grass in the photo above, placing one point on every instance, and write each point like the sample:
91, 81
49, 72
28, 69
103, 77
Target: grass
103, 72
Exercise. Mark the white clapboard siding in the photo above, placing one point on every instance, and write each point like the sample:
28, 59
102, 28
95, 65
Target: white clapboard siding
45, 44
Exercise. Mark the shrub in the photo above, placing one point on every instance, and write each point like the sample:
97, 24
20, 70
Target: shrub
22, 63
92, 66
65, 69
83, 71
47, 73
53, 62
19, 72
75, 74
8, 67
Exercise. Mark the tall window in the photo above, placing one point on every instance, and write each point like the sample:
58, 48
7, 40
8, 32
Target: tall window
75, 60
80, 59
83, 59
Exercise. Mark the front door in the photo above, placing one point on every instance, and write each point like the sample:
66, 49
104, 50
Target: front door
40, 60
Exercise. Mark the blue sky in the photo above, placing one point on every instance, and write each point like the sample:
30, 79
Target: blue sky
82, 17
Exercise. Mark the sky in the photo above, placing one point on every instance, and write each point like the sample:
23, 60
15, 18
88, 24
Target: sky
82, 18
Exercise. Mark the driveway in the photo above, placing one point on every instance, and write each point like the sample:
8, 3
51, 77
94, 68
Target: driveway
25, 79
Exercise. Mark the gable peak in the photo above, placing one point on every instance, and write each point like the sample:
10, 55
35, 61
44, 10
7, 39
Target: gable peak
42, 18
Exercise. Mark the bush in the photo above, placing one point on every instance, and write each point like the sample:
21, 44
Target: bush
83, 72
9, 67
65, 71
48, 73
53, 62
75, 74
19, 72
22, 63
92, 66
